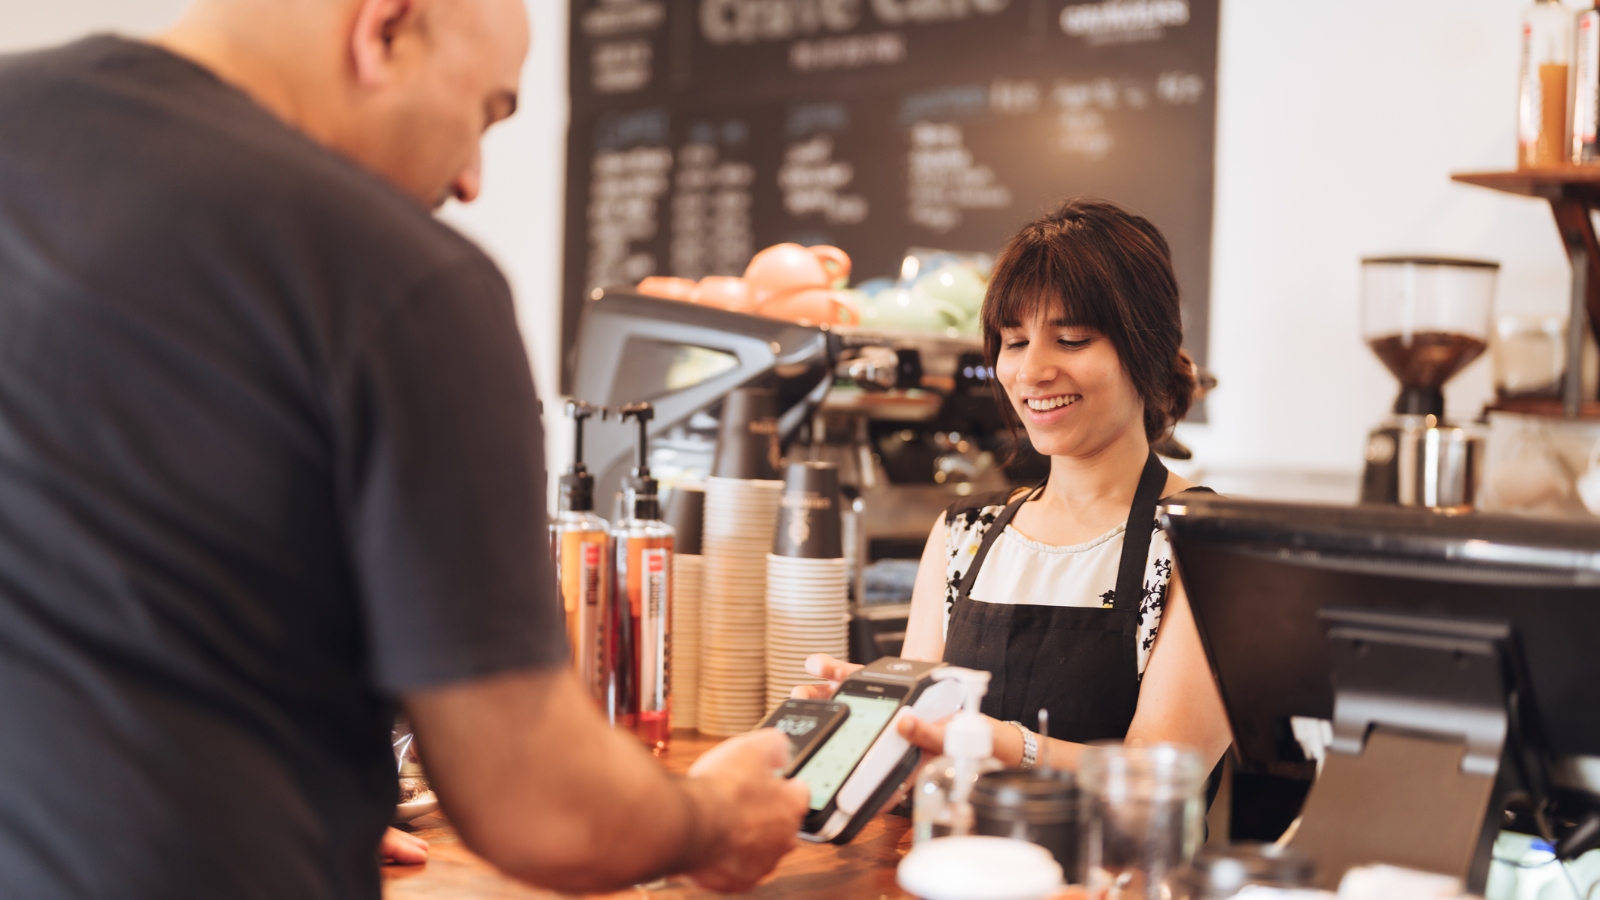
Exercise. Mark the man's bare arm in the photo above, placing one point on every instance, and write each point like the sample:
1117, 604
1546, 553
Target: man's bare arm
537, 784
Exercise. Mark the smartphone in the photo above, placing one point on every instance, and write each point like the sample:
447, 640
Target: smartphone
872, 704
808, 724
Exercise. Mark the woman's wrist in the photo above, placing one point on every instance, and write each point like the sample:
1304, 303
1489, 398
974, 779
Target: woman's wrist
1007, 743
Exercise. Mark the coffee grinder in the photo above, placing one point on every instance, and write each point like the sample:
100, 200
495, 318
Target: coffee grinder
1426, 318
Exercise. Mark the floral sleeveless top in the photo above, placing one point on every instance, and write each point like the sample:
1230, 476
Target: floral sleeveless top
1024, 571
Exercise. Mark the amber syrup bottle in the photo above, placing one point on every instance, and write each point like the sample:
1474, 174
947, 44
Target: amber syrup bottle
642, 650
580, 542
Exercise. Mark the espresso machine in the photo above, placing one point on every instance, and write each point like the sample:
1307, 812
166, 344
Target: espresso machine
909, 419
1427, 318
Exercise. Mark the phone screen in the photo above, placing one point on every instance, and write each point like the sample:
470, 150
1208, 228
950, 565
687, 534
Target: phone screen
869, 713
807, 724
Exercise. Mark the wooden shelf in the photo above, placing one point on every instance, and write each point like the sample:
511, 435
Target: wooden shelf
1542, 406
1573, 193
1568, 183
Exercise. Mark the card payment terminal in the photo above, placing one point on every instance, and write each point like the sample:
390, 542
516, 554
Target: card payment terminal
864, 762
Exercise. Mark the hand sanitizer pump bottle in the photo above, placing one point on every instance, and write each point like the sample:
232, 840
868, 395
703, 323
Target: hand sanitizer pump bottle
942, 804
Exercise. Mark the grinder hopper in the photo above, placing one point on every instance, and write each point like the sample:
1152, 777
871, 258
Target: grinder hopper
1427, 318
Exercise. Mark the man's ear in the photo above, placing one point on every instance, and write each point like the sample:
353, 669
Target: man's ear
377, 24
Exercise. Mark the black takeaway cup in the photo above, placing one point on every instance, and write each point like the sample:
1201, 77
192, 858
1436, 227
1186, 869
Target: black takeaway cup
686, 513
808, 513
747, 442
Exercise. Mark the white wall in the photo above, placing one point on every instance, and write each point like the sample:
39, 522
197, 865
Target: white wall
1338, 126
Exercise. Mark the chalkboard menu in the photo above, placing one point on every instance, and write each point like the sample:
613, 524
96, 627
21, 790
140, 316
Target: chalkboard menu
704, 130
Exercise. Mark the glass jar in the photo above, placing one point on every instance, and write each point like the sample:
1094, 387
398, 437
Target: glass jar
1219, 873
1542, 96
1143, 817
1037, 805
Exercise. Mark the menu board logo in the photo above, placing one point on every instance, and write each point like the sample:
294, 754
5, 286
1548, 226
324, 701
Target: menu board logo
1123, 21
749, 21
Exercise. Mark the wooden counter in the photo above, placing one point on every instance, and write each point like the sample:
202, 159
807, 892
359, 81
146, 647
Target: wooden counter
864, 868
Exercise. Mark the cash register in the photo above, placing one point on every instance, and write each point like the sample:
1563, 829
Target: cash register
1433, 674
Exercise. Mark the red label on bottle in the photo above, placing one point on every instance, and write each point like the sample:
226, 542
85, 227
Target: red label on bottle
590, 579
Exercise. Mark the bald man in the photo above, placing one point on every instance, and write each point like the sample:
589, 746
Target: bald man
271, 470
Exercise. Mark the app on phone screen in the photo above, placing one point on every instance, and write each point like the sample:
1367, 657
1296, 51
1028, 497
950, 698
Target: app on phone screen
837, 758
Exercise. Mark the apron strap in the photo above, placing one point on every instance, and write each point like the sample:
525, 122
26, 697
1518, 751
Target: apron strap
1000, 523
1136, 536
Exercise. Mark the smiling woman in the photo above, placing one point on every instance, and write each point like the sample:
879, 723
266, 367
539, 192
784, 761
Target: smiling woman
1096, 275
1065, 592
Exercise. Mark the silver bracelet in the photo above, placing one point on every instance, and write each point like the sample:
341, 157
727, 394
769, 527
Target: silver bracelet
1030, 746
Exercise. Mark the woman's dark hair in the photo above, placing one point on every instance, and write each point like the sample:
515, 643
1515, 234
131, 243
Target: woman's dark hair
1107, 269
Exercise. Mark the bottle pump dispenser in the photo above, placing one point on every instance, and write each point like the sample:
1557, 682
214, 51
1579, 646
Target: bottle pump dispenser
642, 650
942, 805
580, 543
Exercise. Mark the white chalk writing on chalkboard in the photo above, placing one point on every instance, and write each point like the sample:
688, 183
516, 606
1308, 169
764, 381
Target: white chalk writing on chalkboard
812, 179
1123, 21
749, 21
944, 178
617, 67
614, 17
850, 51
1013, 97
625, 187
711, 227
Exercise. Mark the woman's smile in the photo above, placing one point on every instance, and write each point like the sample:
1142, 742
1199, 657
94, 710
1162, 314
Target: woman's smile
1049, 409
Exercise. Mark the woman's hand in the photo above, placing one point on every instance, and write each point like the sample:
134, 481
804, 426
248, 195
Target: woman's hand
930, 737
833, 671
401, 848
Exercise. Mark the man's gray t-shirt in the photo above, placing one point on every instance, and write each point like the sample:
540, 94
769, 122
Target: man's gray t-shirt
270, 455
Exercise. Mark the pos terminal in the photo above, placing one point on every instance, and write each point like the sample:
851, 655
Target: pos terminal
1435, 674
865, 761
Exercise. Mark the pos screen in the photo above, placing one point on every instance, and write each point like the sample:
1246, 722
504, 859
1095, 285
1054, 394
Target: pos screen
870, 711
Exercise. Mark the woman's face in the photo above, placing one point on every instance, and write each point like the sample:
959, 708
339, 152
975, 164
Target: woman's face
1067, 385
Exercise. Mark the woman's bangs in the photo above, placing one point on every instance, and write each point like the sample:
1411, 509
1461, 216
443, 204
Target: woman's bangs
1024, 292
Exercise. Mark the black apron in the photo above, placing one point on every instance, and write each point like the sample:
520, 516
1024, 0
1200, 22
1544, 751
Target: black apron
1080, 663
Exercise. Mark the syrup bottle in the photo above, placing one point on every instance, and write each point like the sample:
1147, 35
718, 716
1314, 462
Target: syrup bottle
642, 649
580, 542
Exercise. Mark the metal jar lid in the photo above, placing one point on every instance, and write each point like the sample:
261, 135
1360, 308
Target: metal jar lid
1031, 795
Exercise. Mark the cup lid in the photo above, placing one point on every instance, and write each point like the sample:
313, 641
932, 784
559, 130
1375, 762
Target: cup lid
979, 868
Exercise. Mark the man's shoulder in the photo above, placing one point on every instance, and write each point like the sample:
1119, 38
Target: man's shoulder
196, 155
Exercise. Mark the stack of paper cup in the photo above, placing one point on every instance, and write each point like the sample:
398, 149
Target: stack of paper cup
686, 514
741, 511
808, 593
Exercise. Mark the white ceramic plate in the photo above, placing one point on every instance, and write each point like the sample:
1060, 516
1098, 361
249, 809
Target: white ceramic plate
417, 807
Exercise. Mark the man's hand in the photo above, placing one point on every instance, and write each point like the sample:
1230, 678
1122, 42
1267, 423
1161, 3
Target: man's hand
758, 813
402, 849
834, 671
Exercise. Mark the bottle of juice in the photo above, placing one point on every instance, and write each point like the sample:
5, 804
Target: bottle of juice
642, 650
1542, 133
580, 542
